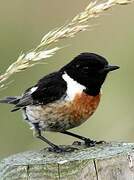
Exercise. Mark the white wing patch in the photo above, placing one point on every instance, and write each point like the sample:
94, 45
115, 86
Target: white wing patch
73, 87
33, 89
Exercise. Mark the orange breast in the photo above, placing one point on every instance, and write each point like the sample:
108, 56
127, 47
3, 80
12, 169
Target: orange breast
63, 115
82, 107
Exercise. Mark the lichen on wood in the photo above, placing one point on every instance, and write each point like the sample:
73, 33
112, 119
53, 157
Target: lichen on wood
103, 162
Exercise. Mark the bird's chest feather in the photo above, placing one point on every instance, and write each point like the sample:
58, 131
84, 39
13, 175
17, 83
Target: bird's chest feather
81, 108
62, 114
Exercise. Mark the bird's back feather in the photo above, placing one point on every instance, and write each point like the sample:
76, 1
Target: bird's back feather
50, 88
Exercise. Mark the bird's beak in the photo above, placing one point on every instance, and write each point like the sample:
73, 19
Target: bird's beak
109, 68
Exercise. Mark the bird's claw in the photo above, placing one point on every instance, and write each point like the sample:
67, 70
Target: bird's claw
58, 149
88, 143
92, 143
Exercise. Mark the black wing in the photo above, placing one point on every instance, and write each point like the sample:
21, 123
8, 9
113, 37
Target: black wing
48, 89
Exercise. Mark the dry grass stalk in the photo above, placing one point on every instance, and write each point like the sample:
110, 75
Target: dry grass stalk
79, 23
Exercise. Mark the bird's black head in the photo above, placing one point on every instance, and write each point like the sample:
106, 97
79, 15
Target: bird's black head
90, 70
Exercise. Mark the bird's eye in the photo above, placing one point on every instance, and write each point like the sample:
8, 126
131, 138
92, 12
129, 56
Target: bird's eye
77, 65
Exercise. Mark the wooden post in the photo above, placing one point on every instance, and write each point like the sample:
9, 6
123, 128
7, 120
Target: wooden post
110, 161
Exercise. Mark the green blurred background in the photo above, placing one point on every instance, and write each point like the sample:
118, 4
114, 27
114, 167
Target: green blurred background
22, 25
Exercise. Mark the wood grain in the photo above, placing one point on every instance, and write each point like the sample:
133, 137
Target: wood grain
110, 161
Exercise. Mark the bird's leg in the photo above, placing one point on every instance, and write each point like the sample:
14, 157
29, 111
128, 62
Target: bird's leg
88, 142
53, 147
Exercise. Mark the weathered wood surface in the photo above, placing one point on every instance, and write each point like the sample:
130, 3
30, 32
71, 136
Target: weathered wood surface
111, 161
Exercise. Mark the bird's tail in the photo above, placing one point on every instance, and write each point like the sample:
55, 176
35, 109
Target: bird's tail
10, 100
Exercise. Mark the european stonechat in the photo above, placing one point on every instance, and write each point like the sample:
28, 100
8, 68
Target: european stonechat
64, 99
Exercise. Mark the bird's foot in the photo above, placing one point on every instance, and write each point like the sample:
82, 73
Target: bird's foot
88, 143
92, 143
58, 149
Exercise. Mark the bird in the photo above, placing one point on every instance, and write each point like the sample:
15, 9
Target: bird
64, 99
